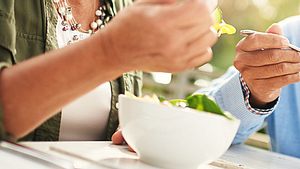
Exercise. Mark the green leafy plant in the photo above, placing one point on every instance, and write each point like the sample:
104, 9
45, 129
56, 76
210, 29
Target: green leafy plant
220, 25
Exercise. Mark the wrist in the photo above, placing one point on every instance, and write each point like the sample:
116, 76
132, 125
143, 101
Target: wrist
106, 56
254, 105
261, 104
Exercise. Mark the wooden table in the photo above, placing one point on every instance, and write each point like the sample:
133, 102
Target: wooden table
97, 155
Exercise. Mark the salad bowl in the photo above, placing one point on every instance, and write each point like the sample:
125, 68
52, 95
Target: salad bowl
172, 137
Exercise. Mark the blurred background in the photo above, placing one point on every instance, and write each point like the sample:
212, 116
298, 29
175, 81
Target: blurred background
243, 14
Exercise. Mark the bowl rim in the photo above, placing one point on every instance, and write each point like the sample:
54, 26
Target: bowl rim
186, 110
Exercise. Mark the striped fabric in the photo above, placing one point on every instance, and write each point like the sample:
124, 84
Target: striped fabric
246, 93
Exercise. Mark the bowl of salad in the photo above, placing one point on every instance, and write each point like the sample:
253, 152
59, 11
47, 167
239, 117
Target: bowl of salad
176, 134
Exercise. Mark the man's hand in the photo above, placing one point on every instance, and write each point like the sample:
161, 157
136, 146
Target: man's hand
158, 35
266, 64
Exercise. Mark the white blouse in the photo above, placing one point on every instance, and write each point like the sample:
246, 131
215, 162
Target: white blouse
85, 118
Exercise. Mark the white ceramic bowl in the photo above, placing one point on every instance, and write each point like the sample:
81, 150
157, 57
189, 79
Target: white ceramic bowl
174, 138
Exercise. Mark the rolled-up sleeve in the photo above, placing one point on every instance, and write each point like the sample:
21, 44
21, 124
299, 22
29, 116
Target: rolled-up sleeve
7, 45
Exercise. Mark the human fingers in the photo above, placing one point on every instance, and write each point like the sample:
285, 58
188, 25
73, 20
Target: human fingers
200, 58
276, 83
200, 40
198, 51
259, 41
266, 57
201, 31
270, 71
118, 138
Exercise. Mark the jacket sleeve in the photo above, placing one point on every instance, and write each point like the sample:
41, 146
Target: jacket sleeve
7, 44
227, 91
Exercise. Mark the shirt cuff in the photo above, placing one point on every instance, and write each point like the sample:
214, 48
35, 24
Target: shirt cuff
246, 93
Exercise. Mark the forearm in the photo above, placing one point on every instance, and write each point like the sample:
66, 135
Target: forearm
35, 90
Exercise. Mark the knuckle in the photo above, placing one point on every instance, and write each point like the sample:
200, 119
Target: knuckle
273, 56
281, 68
238, 64
246, 73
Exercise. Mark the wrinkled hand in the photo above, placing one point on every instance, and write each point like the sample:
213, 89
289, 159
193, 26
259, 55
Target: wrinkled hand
160, 35
267, 71
118, 139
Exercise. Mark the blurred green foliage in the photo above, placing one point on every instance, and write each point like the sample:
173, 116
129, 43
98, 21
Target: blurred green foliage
249, 14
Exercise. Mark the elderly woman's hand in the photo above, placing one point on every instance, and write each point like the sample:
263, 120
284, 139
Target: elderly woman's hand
118, 139
267, 71
167, 37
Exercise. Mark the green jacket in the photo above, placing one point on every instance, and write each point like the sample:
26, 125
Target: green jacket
27, 29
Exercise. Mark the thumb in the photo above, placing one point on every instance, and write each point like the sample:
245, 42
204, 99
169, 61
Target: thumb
275, 29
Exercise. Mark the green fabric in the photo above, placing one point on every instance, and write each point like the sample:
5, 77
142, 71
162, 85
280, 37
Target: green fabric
129, 82
7, 45
48, 131
28, 29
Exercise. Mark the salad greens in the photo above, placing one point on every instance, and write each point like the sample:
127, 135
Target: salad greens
221, 26
198, 102
201, 102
